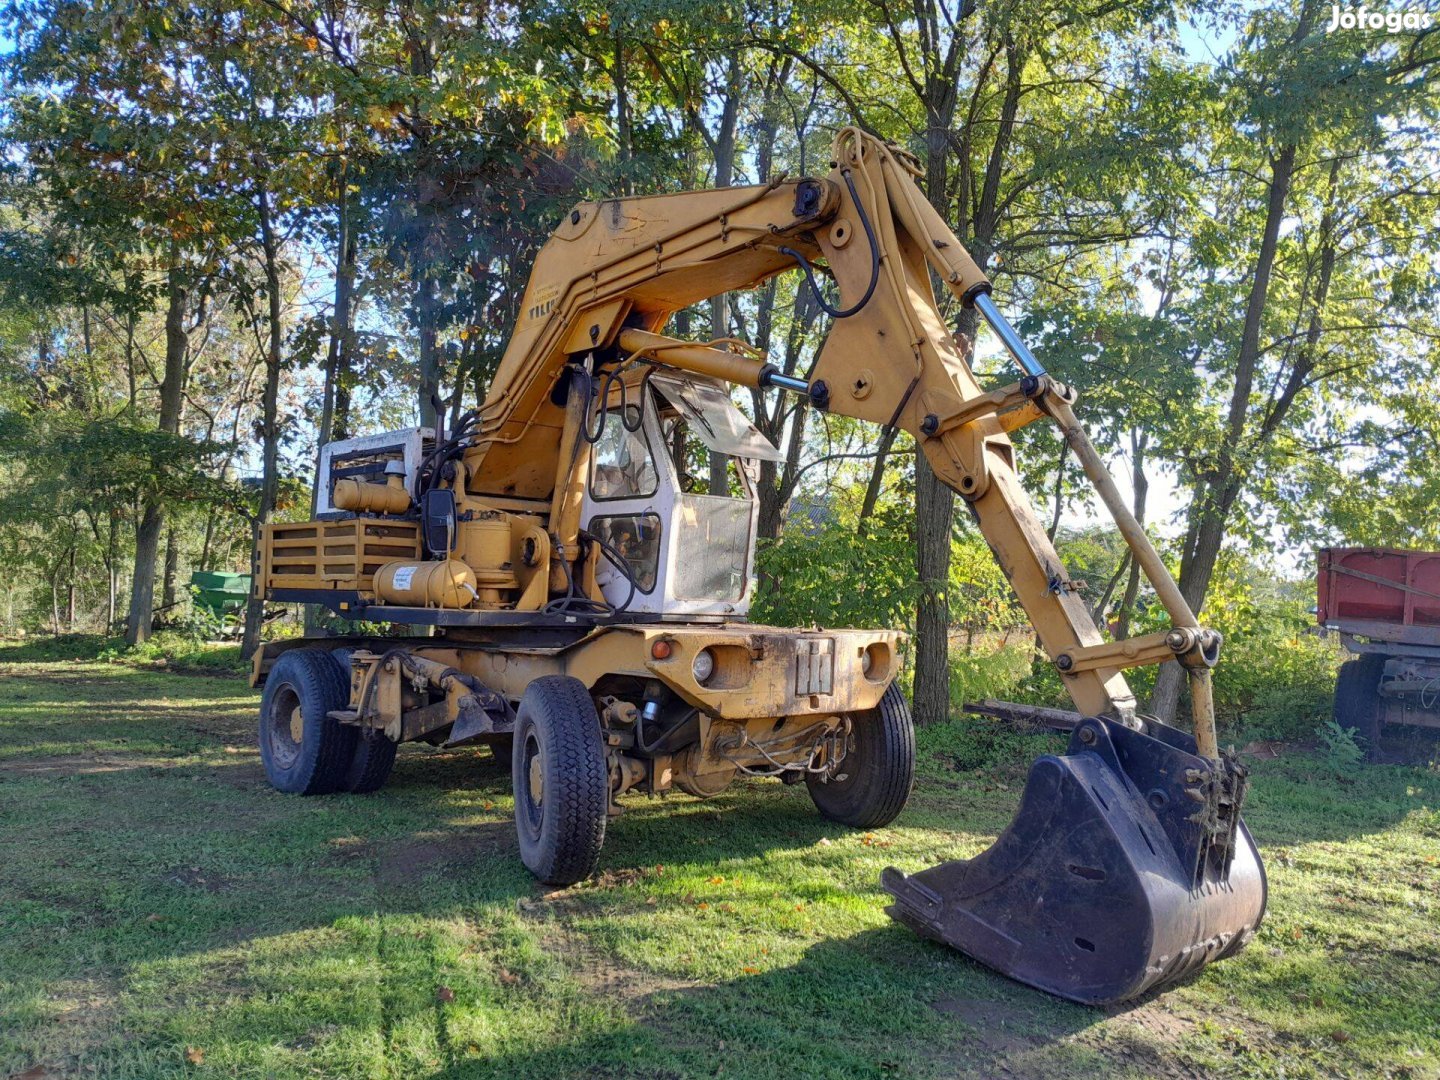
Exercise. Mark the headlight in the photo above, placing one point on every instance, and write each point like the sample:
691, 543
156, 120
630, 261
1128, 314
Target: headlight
866, 660
704, 665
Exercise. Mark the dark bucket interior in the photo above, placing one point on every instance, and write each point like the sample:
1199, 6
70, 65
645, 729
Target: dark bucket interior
1120, 872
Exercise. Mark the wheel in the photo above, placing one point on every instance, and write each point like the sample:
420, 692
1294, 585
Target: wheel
562, 788
374, 754
304, 751
371, 763
1357, 699
878, 770
503, 748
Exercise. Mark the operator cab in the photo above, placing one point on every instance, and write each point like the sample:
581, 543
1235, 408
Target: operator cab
690, 550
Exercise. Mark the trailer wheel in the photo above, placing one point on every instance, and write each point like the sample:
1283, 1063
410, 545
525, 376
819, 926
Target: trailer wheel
562, 787
1357, 699
304, 751
878, 771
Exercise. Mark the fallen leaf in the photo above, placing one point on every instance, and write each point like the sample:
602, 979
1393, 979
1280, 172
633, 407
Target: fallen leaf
748, 971
717, 880
194, 1055
824, 841
444, 993
1340, 1035
650, 901
489, 805
702, 905
507, 977
154, 918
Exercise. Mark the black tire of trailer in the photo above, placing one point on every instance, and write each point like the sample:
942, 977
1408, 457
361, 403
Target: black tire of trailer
1358, 705
557, 733
878, 770
311, 681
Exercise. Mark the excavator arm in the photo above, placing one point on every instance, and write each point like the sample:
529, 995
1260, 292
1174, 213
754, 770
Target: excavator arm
609, 280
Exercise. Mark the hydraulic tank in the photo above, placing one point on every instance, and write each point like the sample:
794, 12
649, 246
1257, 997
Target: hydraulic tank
448, 583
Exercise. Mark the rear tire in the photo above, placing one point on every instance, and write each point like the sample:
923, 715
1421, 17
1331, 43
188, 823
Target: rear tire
372, 762
374, 755
878, 770
562, 787
304, 751
503, 748
1358, 706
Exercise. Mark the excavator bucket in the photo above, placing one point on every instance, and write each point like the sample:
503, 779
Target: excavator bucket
1126, 868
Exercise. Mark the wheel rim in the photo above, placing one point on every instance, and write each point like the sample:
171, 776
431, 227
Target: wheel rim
533, 777
285, 726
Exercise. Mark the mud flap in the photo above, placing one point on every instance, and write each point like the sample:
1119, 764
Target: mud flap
1127, 867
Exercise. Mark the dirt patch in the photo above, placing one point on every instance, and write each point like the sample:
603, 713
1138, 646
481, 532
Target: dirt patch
598, 971
242, 776
192, 877
1148, 1037
1000, 1027
81, 764
408, 862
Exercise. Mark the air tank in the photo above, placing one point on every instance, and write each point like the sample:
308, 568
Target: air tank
448, 583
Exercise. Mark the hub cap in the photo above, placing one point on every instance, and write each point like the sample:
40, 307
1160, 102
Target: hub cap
285, 727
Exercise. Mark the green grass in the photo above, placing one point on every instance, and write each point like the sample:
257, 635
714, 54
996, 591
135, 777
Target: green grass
164, 913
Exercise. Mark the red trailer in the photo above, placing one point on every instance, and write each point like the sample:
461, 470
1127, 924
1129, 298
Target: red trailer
1385, 604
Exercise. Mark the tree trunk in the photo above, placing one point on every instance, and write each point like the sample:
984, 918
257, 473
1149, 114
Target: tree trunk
337, 352
111, 575
425, 305
70, 595
934, 511
877, 478
270, 426
172, 569
152, 519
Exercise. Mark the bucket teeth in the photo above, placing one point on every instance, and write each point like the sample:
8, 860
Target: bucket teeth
1108, 882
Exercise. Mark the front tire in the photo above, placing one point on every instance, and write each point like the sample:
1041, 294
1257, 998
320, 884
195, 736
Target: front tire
878, 769
1357, 699
562, 787
304, 751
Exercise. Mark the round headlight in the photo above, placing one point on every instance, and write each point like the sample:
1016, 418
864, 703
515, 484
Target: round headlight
866, 661
704, 665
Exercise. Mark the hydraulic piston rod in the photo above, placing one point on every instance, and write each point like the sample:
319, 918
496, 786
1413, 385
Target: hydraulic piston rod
1007, 335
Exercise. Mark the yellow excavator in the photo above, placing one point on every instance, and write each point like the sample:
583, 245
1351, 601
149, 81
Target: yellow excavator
571, 595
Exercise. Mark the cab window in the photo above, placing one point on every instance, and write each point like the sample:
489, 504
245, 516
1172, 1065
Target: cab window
622, 467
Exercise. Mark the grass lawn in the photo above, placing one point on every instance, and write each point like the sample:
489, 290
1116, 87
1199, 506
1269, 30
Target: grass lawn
164, 913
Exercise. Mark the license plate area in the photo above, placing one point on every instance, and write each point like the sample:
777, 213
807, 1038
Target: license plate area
814, 666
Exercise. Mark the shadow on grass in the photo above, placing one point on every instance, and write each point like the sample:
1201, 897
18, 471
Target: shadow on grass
879, 1004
